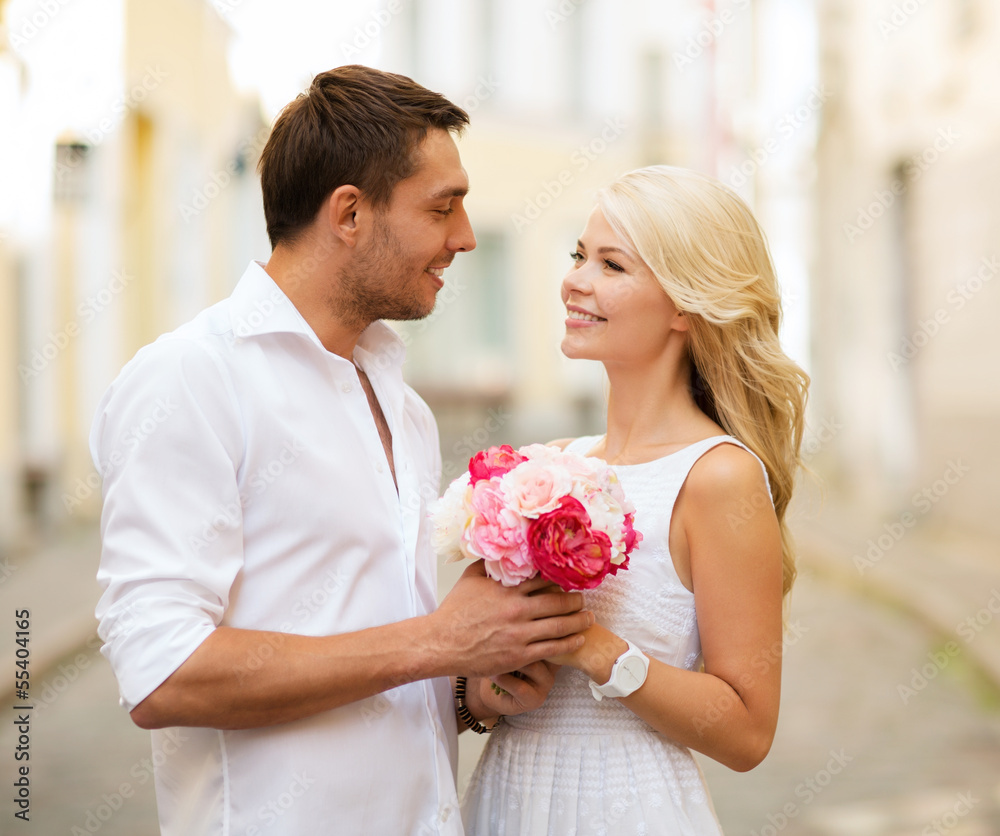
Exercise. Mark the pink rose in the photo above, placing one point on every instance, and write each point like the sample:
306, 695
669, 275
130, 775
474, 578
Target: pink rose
496, 461
566, 550
537, 487
632, 537
497, 535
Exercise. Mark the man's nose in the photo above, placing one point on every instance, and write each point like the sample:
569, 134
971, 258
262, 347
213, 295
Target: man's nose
462, 238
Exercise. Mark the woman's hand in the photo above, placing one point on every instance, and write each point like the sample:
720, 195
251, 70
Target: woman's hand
597, 656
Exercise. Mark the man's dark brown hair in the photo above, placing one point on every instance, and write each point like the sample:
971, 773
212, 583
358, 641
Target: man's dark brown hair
355, 126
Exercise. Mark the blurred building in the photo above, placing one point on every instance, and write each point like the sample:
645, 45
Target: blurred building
136, 215
144, 206
11, 80
565, 96
906, 298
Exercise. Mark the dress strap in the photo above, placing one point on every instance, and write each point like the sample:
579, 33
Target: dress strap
684, 458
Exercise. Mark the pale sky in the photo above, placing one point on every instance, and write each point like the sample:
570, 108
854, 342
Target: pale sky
278, 47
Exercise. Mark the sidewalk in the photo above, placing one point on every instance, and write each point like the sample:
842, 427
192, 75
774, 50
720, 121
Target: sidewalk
950, 583
56, 582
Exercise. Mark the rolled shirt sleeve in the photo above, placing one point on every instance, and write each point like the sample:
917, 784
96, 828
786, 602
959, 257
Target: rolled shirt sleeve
168, 442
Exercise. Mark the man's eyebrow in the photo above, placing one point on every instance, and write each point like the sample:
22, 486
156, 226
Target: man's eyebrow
451, 191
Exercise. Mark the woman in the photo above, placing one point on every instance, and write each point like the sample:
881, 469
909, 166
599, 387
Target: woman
673, 290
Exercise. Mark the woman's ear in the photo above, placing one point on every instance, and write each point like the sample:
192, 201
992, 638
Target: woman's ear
340, 212
680, 322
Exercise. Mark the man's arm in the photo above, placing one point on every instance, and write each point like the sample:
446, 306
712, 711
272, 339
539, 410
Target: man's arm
481, 629
173, 549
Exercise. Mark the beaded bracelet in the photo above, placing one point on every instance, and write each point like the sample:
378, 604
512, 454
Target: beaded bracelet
463, 709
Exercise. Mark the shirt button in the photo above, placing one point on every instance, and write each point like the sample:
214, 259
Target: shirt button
378, 467
346, 387
445, 814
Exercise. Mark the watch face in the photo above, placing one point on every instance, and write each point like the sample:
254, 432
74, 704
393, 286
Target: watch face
633, 673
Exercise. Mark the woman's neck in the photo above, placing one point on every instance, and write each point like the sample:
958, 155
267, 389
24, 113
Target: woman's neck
651, 412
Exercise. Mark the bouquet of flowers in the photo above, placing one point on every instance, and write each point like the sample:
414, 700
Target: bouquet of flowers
537, 510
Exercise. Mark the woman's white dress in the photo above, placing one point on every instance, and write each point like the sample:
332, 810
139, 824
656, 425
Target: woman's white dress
578, 767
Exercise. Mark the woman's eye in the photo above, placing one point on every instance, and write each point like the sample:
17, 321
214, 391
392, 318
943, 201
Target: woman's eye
613, 266
576, 256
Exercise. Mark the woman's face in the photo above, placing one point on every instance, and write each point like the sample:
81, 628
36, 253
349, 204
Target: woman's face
616, 310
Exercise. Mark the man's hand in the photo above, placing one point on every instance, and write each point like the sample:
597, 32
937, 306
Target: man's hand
481, 629
523, 690
489, 629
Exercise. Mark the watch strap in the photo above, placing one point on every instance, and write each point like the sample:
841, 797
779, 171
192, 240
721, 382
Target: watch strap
611, 688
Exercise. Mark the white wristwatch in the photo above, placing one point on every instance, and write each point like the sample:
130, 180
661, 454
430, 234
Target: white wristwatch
627, 675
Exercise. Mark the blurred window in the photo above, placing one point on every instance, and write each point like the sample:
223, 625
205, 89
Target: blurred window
72, 170
466, 343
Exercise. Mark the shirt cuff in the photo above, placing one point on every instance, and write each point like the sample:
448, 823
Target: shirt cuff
148, 639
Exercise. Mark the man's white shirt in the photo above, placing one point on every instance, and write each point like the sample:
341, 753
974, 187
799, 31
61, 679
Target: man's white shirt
245, 485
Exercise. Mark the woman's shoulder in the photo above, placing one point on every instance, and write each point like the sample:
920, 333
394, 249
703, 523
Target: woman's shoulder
726, 469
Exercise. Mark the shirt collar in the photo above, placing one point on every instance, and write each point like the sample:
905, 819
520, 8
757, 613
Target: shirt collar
258, 306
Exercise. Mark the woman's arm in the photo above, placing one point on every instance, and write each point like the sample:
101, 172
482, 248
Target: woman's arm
724, 520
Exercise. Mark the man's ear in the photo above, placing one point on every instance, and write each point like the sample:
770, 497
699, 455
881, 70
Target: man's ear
341, 210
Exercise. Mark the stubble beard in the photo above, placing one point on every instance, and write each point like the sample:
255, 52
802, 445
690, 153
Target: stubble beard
378, 284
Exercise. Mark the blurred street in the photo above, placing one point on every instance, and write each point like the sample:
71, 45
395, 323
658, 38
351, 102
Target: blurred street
864, 137
851, 757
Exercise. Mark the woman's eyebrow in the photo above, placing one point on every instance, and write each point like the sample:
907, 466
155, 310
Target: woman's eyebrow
602, 250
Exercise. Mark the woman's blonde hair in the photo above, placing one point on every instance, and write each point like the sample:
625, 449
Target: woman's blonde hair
709, 254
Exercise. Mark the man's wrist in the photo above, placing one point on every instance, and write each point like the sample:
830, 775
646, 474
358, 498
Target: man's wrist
473, 712
426, 656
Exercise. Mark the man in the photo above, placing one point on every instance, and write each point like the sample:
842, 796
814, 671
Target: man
270, 591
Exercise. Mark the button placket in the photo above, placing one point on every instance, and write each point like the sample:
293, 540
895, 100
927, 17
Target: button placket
371, 440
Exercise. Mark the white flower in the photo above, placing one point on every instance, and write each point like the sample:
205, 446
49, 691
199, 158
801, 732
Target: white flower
451, 515
607, 515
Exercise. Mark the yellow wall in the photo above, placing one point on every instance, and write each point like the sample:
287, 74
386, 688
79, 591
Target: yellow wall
183, 122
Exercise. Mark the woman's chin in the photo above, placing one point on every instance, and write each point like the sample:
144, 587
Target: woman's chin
574, 348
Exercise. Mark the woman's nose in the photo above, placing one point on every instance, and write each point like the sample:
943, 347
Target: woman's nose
576, 282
